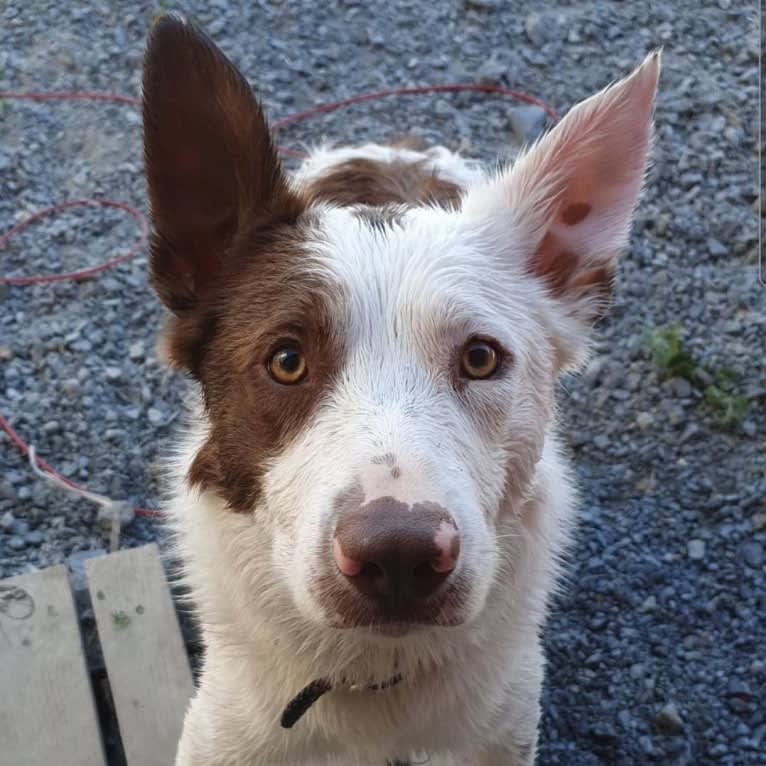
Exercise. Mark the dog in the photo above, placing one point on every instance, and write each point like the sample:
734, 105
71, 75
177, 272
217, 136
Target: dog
371, 504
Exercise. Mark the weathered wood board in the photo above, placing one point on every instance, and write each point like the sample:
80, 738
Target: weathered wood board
47, 712
146, 660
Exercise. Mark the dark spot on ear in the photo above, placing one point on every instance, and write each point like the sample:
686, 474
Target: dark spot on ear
576, 212
556, 266
396, 472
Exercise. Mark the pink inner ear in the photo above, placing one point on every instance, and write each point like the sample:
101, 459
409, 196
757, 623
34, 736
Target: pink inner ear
577, 188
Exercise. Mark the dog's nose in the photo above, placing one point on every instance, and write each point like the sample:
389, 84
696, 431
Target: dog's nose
388, 549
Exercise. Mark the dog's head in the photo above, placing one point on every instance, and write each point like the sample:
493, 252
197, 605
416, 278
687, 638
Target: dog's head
377, 387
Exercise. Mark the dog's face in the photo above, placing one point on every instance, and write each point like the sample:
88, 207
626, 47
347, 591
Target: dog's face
378, 383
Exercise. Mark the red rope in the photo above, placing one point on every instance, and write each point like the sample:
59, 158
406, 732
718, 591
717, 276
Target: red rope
140, 219
81, 273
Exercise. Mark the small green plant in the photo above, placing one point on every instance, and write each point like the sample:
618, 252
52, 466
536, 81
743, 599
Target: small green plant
729, 407
718, 386
670, 357
120, 620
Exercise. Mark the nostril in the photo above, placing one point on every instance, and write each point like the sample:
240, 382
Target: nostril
372, 573
426, 579
348, 566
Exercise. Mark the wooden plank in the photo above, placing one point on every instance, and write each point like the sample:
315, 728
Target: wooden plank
144, 654
47, 712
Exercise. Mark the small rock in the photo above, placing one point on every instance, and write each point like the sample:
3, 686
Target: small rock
646, 745
752, 553
716, 249
156, 418
136, 351
545, 27
35, 537
7, 521
681, 387
601, 441
527, 122
16, 543
644, 420
668, 720
689, 433
696, 549
758, 521
113, 374
749, 428
649, 604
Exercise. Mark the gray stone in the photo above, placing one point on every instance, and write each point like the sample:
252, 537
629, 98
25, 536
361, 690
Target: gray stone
644, 420
716, 249
16, 543
696, 550
527, 122
752, 553
156, 418
136, 351
668, 720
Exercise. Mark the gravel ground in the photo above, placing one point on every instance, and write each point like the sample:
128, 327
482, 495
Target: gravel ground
656, 649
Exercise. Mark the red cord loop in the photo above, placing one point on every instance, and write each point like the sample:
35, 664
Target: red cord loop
75, 276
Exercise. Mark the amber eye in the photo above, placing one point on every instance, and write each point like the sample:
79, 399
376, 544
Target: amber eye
288, 365
480, 360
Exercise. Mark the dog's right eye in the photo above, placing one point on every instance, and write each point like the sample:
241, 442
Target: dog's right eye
480, 360
288, 365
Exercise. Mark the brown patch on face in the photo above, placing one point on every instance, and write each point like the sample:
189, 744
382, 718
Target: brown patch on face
227, 259
265, 298
379, 184
576, 212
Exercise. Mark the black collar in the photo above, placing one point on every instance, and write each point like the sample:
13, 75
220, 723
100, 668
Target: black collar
306, 697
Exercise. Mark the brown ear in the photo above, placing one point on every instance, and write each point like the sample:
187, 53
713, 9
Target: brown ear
210, 161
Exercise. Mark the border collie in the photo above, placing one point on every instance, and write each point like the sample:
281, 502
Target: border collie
371, 503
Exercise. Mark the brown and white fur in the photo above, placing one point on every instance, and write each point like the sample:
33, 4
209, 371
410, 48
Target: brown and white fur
379, 264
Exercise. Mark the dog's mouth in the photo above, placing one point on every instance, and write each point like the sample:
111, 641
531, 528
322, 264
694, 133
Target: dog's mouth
398, 628
392, 617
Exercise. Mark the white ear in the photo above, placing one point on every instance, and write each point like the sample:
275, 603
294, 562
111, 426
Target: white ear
565, 207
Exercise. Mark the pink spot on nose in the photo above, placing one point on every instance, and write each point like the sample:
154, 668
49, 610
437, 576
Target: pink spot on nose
348, 566
448, 546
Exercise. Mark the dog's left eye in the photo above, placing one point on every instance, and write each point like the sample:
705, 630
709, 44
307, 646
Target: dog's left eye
480, 360
288, 365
